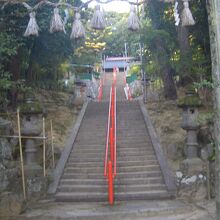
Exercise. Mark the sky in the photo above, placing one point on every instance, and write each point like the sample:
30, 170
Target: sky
116, 6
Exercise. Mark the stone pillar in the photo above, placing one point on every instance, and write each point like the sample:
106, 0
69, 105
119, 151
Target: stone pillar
30, 152
192, 144
190, 124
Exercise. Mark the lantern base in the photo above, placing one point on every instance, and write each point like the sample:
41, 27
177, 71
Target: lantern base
192, 166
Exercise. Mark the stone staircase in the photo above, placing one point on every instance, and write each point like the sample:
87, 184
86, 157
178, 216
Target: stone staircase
83, 179
139, 174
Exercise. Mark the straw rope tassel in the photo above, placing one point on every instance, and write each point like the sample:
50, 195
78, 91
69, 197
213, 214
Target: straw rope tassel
32, 28
21, 155
186, 15
133, 21
98, 20
78, 31
56, 24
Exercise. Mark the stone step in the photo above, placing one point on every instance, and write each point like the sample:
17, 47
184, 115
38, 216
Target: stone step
141, 174
98, 197
88, 151
123, 210
82, 175
129, 117
88, 160
138, 188
119, 158
103, 181
83, 188
87, 134
120, 149
104, 188
133, 142
125, 130
133, 147
88, 145
145, 145
131, 125
136, 163
138, 168
119, 163
89, 127
98, 128
93, 142
93, 122
101, 154
145, 195
84, 164
120, 175
120, 146
81, 197
136, 158
94, 157
70, 169
132, 134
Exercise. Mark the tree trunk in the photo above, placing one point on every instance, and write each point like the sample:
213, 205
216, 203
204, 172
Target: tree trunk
29, 73
213, 7
183, 39
185, 52
14, 68
166, 71
169, 84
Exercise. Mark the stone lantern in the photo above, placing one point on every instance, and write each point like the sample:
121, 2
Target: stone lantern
190, 104
31, 126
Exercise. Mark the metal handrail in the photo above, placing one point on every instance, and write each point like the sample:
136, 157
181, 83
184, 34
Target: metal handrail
115, 139
107, 135
110, 161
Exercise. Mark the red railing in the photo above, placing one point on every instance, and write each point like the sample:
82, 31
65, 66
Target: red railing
110, 153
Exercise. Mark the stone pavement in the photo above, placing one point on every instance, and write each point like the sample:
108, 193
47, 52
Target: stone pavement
129, 210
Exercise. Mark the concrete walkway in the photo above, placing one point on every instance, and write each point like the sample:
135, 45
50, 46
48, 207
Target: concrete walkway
120, 84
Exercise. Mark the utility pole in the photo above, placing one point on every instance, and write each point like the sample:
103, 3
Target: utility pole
213, 8
143, 74
126, 51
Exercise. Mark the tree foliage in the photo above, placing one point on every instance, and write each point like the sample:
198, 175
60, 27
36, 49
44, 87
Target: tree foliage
24, 61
